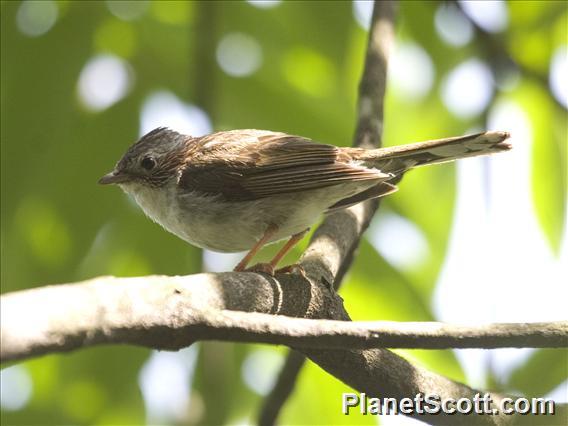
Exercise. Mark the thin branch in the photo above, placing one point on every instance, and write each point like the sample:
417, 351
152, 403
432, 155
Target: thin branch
333, 245
497, 53
282, 389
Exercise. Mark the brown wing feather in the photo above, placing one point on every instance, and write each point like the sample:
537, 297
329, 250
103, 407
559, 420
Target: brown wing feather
244, 165
379, 190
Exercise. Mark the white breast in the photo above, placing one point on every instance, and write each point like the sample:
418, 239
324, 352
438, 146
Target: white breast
159, 205
202, 221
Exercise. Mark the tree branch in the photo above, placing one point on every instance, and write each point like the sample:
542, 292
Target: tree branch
282, 389
498, 56
368, 134
171, 315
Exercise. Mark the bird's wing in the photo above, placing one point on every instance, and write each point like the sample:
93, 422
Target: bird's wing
247, 165
376, 191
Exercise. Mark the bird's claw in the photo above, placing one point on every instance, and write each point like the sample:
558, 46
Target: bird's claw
265, 268
292, 269
268, 268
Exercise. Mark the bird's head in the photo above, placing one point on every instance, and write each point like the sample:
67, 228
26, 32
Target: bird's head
153, 161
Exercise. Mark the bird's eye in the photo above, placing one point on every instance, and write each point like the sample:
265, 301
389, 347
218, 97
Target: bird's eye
148, 163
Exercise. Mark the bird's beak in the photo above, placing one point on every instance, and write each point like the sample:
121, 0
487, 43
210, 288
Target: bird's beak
114, 177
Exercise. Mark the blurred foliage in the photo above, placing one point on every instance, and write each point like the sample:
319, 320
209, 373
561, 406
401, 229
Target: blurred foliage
58, 226
550, 367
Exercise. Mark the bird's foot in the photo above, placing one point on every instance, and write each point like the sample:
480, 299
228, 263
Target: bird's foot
265, 268
268, 268
292, 269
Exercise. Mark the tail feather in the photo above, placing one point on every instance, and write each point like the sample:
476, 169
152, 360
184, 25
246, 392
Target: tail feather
399, 159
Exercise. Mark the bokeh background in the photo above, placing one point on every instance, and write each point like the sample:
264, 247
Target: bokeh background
480, 241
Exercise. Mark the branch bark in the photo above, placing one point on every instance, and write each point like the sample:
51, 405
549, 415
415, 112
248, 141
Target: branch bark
173, 312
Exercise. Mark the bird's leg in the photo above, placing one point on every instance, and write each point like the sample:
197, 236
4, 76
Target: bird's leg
294, 239
270, 231
268, 268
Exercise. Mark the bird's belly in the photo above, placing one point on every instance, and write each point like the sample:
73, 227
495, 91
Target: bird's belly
221, 226
229, 226
213, 223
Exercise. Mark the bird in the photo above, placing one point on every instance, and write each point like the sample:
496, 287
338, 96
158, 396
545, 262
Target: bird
239, 190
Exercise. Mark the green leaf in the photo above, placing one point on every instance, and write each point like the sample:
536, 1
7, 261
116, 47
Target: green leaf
544, 371
549, 160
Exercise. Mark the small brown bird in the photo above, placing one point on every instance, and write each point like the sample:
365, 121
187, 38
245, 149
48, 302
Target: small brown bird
242, 189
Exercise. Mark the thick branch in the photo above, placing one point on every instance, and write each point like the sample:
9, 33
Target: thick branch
171, 315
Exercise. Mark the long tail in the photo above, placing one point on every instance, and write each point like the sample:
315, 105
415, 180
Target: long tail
398, 159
